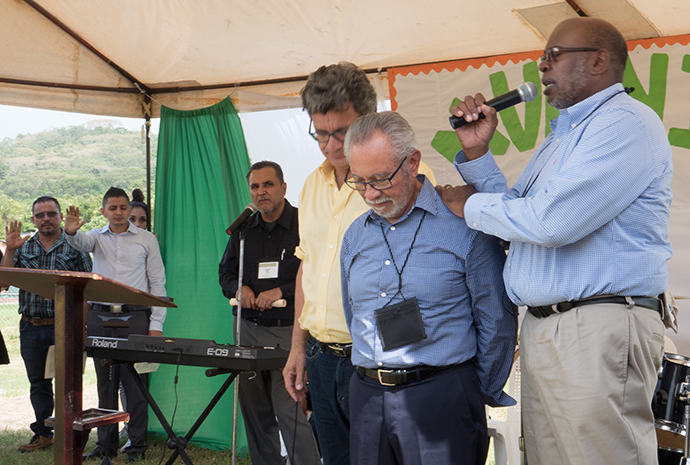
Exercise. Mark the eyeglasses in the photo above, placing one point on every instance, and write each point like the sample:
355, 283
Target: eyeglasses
39, 216
323, 137
552, 53
378, 184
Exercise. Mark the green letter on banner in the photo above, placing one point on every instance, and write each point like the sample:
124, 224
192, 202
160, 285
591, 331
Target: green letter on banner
658, 71
676, 136
524, 139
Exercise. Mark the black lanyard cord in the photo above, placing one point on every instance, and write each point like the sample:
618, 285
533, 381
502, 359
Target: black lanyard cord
400, 271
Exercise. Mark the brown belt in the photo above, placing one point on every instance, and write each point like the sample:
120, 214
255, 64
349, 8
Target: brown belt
39, 321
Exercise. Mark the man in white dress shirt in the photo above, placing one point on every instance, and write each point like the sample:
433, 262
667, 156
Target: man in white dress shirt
130, 255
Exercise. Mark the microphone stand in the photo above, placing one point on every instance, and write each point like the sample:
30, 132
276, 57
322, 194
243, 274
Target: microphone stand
238, 324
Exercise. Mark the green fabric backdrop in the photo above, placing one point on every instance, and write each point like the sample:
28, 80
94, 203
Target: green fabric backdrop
200, 188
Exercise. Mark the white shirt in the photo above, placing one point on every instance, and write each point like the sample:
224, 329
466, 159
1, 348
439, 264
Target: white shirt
132, 258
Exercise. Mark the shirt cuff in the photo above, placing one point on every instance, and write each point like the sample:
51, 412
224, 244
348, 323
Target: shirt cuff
474, 170
504, 400
473, 210
157, 318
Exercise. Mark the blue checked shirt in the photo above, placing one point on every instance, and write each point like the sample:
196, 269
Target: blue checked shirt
62, 256
453, 271
595, 219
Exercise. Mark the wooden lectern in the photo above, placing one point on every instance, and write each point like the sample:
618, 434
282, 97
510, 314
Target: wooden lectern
70, 289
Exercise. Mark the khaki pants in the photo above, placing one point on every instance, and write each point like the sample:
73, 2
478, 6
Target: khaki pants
588, 377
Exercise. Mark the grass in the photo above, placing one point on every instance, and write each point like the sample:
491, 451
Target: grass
156, 454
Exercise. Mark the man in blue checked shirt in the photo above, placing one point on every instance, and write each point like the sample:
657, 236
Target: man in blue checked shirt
433, 330
587, 222
46, 250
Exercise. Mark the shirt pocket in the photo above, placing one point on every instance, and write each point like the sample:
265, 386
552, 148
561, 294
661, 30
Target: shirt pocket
29, 260
64, 261
433, 278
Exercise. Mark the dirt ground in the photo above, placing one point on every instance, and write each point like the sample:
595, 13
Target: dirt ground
16, 412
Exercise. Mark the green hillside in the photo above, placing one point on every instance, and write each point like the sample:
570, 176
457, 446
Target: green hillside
76, 165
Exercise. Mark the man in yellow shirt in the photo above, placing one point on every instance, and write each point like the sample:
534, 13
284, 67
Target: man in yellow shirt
334, 96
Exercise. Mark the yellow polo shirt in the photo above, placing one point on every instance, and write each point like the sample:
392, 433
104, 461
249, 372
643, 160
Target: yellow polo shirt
325, 213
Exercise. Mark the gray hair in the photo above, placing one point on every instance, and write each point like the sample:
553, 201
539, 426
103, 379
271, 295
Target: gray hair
397, 130
336, 87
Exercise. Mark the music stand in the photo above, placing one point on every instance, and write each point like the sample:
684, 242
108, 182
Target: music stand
70, 289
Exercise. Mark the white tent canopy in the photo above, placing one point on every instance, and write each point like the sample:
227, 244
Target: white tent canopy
101, 56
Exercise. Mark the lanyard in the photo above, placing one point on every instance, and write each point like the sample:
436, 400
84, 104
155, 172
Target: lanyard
400, 271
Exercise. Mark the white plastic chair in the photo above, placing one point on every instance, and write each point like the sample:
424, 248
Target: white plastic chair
669, 346
506, 433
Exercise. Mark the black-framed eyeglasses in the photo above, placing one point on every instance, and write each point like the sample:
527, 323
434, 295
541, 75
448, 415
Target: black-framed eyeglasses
39, 216
323, 137
552, 53
378, 184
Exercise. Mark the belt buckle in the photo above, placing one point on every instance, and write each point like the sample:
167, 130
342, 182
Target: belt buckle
386, 372
554, 307
116, 308
339, 351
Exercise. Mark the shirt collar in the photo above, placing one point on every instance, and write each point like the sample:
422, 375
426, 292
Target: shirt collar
426, 200
59, 240
130, 229
581, 110
285, 219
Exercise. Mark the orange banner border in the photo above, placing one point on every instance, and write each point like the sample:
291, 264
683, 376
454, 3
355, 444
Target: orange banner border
462, 65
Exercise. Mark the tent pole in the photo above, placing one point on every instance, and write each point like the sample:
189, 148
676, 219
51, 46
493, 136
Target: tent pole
147, 115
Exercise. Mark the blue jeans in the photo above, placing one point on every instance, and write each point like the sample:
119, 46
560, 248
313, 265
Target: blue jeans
329, 380
34, 342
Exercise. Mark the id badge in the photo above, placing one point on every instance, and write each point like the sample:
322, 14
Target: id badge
268, 270
400, 324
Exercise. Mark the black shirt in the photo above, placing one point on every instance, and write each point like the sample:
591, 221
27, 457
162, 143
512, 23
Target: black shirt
264, 243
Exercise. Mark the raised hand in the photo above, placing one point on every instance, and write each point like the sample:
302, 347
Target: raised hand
475, 137
72, 223
13, 236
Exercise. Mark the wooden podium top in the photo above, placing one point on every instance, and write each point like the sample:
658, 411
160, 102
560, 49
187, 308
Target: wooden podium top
96, 287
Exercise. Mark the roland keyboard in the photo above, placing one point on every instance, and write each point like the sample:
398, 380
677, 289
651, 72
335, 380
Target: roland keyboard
191, 352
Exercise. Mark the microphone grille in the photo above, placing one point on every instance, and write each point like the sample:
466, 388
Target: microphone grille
253, 208
528, 91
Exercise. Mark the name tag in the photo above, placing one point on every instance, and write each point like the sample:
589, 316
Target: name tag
268, 270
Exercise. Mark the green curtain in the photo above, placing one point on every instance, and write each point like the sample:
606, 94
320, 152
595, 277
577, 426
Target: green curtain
200, 188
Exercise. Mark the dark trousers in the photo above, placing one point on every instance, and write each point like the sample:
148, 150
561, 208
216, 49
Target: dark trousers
34, 342
267, 408
329, 378
109, 377
439, 420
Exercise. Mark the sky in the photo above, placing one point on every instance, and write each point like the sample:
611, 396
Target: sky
20, 120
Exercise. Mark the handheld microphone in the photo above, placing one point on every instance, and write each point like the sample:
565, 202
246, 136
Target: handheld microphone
526, 92
239, 222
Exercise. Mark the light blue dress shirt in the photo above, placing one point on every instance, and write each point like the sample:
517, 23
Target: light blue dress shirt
132, 258
589, 214
453, 271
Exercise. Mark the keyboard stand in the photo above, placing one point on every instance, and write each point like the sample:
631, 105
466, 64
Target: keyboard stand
177, 443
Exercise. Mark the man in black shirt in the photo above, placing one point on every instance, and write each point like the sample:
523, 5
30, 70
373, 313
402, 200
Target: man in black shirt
270, 270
